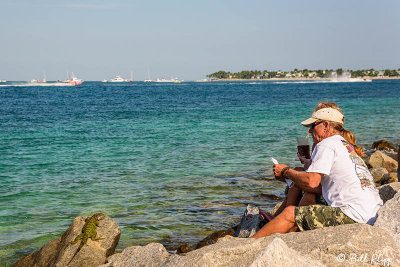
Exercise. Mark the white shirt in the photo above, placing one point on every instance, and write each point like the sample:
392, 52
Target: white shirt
346, 183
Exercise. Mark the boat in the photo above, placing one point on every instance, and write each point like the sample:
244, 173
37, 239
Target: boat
148, 77
163, 80
72, 81
3, 81
118, 79
75, 81
104, 81
37, 81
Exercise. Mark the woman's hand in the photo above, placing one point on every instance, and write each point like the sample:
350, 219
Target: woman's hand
277, 171
304, 161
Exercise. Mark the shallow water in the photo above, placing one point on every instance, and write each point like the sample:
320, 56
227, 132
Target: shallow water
170, 163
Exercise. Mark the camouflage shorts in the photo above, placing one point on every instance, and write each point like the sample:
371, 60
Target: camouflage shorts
318, 216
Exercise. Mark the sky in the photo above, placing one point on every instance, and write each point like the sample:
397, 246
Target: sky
99, 39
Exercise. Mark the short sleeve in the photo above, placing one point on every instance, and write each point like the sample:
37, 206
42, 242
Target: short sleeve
322, 160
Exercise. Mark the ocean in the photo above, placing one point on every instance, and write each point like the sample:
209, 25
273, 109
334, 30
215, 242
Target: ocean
171, 163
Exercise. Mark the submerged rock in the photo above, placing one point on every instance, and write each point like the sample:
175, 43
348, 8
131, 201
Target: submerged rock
383, 145
213, 238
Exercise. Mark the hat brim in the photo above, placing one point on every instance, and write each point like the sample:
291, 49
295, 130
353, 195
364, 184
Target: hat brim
308, 122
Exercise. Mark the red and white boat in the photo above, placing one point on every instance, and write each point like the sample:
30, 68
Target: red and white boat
73, 80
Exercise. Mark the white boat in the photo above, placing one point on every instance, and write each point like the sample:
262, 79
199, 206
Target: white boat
118, 79
3, 81
104, 81
172, 80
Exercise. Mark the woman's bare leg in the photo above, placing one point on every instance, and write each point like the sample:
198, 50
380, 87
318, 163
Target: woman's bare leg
291, 199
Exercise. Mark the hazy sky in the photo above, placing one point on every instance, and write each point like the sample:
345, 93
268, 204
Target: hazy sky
99, 39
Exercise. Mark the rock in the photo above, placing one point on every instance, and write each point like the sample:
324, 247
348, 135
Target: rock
213, 238
153, 254
277, 253
330, 245
324, 245
271, 196
389, 178
43, 257
378, 174
60, 251
380, 160
389, 217
383, 145
183, 249
388, 191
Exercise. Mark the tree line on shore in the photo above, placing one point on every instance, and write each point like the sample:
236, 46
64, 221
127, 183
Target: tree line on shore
305, 73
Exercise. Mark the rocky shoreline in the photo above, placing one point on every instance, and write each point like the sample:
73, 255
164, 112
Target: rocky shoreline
355, 244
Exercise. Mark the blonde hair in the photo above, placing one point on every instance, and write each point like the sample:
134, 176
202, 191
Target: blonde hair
348, 135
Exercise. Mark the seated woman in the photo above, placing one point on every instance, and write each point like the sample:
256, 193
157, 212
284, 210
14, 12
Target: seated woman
347, 186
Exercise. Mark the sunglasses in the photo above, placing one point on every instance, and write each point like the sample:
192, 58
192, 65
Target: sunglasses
312, 125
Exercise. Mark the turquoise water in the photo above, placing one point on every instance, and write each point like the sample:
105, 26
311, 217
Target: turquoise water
170, 163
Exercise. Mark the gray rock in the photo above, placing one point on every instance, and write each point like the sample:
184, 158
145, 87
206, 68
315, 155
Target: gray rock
277, 253
379, 160
388, 191
326, 245
60, 251
153, 254
389, 217
378, 174
331, 245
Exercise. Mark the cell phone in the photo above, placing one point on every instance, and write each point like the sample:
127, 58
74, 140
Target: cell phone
288, 181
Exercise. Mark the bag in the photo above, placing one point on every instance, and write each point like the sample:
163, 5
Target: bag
253, 220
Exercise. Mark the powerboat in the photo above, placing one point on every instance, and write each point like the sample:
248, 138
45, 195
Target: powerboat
73, 81
118, 79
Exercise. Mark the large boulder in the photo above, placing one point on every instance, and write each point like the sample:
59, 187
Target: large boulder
389, 217
60, 251
342, 245
380, 160
277, 253
153, 254
331, 246
388, 191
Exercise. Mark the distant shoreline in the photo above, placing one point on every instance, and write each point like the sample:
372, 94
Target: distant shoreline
305, 79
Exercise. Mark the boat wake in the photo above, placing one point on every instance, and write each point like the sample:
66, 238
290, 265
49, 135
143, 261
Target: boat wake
34, 84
